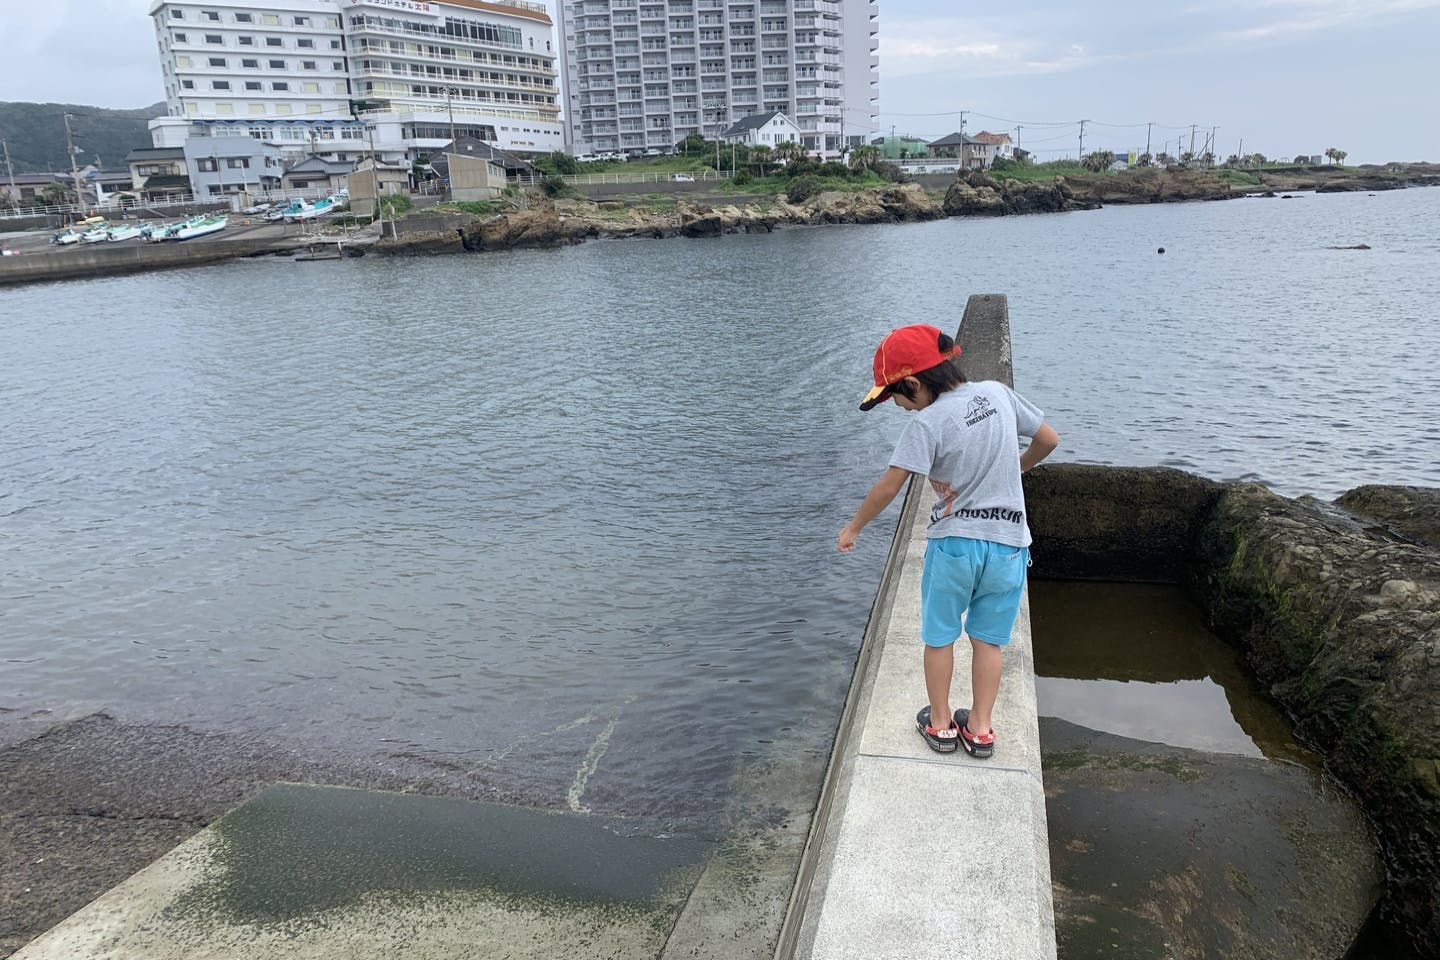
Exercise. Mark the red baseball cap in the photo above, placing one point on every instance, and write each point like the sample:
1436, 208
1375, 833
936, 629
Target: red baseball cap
904, 352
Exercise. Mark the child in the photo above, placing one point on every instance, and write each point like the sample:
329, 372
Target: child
964, 437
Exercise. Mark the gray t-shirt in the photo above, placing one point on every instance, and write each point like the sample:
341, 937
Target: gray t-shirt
969, 439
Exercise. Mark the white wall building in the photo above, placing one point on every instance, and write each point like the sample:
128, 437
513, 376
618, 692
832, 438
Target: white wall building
298, 73
641, 75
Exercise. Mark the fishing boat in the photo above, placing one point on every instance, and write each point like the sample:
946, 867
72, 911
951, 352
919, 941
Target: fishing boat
67, 237
96, 234
199, 227
157, 232
124, 231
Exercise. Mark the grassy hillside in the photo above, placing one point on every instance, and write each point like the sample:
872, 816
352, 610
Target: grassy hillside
35, 133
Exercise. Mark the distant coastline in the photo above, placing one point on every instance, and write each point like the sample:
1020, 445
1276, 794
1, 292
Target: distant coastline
538, 221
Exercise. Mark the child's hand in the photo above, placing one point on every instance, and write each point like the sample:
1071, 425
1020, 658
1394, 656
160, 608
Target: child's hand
845, 540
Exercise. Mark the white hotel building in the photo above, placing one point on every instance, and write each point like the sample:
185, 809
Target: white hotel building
328, 76
643, 74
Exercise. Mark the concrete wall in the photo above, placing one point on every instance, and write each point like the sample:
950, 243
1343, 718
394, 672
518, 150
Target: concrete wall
105, 259
472, 178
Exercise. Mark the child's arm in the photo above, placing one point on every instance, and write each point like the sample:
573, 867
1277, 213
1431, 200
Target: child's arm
875, 502
1041, 446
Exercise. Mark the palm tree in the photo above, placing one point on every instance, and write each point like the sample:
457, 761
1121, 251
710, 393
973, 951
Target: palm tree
1098, 161
1340, 157
863, 157
761, 156
788, 151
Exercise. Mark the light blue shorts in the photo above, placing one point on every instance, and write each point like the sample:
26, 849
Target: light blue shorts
974, 582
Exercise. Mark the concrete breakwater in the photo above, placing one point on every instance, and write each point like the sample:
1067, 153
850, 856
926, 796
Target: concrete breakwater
1339, 613
134, 257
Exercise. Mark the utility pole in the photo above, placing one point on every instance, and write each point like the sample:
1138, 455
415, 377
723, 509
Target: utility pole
1192, 141
1240, 154
74, 173
1017, 136
374, 178
10, 171
451, 109
1147, 137
1082, 138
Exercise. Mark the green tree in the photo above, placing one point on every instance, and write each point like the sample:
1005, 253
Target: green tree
788, 151
863, 157
1098, 161
693, 145
761, 156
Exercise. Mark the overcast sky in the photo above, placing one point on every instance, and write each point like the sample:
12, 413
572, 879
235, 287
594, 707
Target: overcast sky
1284, 76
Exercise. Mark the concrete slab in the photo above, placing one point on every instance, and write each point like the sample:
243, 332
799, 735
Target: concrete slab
938, 861
330, 872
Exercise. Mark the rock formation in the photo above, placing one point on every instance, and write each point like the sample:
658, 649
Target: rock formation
1341, 619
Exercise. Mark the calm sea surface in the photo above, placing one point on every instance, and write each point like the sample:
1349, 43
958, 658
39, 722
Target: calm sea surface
564, 519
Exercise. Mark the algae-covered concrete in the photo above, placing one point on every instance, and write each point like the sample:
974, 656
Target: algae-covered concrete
322, 872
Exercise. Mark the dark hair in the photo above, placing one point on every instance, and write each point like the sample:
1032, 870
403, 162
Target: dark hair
942, 377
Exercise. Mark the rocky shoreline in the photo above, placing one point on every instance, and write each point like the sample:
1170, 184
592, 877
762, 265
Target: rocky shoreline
550, 223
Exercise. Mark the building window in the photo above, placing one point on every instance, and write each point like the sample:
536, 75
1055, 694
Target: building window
252, 84
244, 18
333, 23
217, 61
310, 87
257, 109
301, 21
238, 163
273, 42
224, 108
183, 61
219, 84
211, 15
206, 165
180, 38
269, 19
213, 38
177, 14
247, 41
187, 84
337, 64
306, 43
308, 65
313, 108
336, 45
277, 64
279, 85
282, 108
252, 64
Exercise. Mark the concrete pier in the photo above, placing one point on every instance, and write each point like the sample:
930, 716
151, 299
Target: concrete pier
914, 853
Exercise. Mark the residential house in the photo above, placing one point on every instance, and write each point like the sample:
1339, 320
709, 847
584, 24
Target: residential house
763, 130
515, 166
959, 146
223, 165
316, 175
31, 187
158, 173
996, 145
370, 178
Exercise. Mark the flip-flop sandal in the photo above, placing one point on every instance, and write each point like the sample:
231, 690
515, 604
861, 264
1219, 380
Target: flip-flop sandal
940, 740
978, 745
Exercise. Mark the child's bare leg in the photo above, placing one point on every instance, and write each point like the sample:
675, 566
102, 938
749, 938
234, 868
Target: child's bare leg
986, 663
939, 667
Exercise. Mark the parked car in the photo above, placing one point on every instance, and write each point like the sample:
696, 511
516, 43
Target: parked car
684, 178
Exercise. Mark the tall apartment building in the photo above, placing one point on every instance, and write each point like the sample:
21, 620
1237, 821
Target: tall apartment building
331, 76
641, 75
